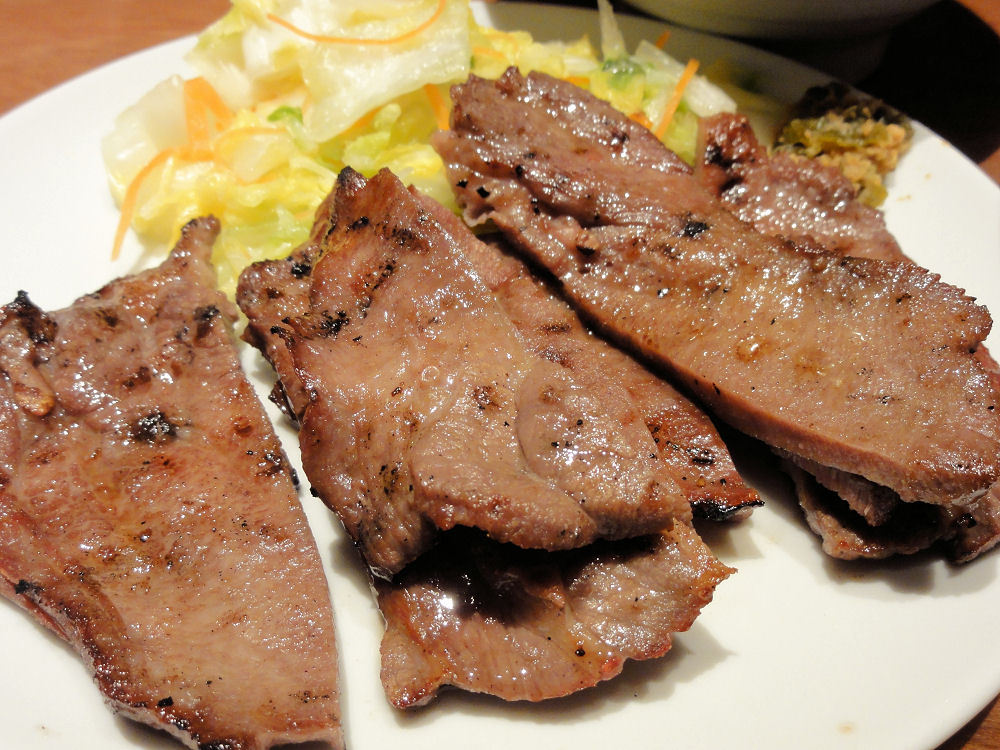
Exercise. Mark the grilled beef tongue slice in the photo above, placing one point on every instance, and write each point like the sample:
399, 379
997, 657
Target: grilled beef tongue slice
801, 200
426, 409
814, 205
529, 625
855, 364
685, 437
471, 612
274, 291
148, 515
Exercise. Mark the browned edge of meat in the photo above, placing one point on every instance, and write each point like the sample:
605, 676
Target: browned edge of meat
528, 625
149, 517
800, 200
910, 528
685, 437
733, 313
872, 502
814, 205
272, 293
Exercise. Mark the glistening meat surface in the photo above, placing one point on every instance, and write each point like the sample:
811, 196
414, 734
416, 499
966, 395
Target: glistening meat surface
814, 206
471, 612
855, 364
685, 437
426, 410
148, 515
529, 625
796, 199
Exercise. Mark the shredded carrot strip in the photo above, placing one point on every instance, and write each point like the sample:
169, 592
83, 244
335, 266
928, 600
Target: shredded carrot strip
438, 105
363, 122
480, 51
323, 39
131, 195
187, 153
661, 40
200, 100
640, 117
675, 99
204, 92
580, 81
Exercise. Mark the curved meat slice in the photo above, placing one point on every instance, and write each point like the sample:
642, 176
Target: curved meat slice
525, 625
685, 437
426, 410
891, 393
815, 206
797, 199
148, 515
909, 528
522, 624
873, 502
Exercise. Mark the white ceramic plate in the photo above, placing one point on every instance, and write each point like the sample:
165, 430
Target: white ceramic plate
796, 651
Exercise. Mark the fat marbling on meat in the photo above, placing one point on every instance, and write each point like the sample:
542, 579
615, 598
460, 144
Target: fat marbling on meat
855, 364
148, 515
470, 611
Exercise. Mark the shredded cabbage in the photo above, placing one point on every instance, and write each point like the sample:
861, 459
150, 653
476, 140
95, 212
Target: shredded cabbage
291, 91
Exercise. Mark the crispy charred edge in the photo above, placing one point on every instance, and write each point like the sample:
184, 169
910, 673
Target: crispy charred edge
726, 149
197, 237
29, 596
268, 333
711, 509
40, 327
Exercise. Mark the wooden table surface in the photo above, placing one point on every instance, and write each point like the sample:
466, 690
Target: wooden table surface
46, 42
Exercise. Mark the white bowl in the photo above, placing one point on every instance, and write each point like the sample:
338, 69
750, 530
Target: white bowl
785, 19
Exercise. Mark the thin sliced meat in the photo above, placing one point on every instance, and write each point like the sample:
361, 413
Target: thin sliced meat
685, 437
794, 198
910, 528
426, 410
525, 625
687, 441
148, 515
814, 205
855, 364
471, 612
872, 502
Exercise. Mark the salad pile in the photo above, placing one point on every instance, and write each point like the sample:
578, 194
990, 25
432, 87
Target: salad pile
289, 92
